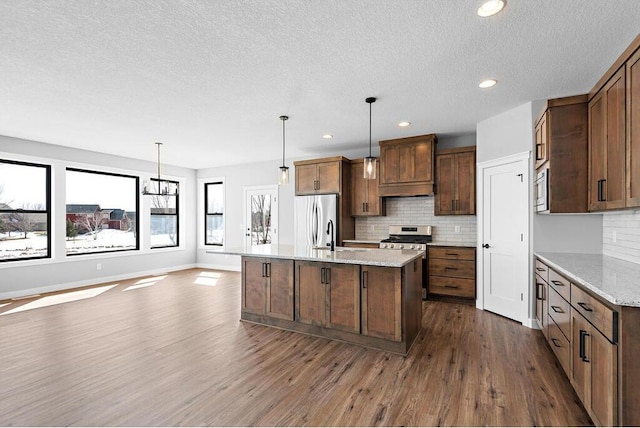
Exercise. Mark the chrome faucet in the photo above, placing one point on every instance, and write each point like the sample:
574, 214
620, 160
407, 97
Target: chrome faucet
330, 231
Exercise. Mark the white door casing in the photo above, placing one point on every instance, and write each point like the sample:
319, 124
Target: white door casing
503, 237
261, 229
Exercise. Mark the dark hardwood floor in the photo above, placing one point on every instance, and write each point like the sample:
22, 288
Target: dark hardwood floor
172, 352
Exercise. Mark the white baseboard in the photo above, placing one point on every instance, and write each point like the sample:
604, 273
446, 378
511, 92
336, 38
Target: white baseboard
92, 281
531, 323
219, 267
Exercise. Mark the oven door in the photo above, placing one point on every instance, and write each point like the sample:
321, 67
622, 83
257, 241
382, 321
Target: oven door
542, 191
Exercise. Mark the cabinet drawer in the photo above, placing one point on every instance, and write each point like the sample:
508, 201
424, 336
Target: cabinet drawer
560, 284
452, 253
459, 287
560, 311
454, 268
561, 347
542, 270
597, 313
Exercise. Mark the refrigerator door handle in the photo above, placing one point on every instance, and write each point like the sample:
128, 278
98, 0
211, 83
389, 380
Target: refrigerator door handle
321, 224
314, 222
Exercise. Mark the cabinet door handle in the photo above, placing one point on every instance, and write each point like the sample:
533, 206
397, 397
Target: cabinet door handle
366, 204
363, 209
457, 204
268, 270
453, 204
555, 342
327, 276
322, 276
557, 283
538, 292
604, 189
583, 352
365, 278
264, 270
451, 286
585, 307
557, 309
539, 269
538, 151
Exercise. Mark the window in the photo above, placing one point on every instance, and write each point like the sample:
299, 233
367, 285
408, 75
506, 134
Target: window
102, 212
25, 211
164, 217
214, 213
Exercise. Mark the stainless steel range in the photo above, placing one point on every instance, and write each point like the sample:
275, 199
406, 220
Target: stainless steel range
407, 238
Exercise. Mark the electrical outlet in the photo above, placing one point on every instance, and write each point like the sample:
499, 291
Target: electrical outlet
456, 229
614, 238
372, 228
99, 266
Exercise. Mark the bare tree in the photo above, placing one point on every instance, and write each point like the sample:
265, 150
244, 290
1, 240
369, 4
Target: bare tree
93, 223
261, 218
25, 222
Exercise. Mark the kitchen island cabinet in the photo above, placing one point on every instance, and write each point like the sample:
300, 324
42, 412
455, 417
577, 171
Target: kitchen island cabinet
368, 297
267, 287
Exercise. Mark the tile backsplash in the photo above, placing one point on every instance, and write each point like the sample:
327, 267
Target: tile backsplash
621, 235
418, 211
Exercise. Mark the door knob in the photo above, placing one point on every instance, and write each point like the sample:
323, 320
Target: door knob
485, 245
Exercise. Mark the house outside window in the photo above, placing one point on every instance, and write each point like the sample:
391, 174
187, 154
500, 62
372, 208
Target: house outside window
164, 217
101, 212
214, 213
25, 211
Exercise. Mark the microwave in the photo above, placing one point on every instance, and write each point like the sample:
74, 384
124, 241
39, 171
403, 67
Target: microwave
541, 190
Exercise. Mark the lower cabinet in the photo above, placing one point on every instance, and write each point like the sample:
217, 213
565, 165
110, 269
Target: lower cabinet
595, 371
267, 287
382, 302
542, 290
452, 271
328, 295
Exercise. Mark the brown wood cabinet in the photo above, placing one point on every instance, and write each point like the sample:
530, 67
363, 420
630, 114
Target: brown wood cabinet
317, 176
328, 295
542, 291
452, 271
365, 198
456, 181
562, 153
267, 287
607, 145
633, 130
407, 166
371, 245
594, 371
382, 302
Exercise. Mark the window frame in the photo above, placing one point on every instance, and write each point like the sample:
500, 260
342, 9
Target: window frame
207, 214
177, 215
22, 211
137, 222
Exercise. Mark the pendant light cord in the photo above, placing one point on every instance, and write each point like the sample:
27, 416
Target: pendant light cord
369, 129
283, 142
158, 144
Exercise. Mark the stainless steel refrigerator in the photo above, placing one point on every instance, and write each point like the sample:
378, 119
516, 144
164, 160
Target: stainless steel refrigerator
312, 215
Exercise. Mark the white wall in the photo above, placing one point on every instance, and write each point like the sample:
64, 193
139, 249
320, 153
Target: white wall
21, 278
236, 178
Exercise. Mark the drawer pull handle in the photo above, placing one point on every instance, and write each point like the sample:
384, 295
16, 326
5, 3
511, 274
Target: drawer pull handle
450, 268
539, 269
451, 286
558, 283
452, 254
557, 309
585, 307
555, 342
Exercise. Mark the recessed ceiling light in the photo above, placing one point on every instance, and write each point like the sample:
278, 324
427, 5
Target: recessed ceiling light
403, 124
327, 136
490, 8
487, 83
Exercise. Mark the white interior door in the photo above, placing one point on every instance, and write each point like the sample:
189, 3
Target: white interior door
261, 215
505, 238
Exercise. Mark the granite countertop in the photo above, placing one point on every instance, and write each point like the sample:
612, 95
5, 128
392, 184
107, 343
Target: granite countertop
615, 280
359, 256
362, 241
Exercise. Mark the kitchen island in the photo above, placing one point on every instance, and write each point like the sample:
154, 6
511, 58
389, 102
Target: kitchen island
368, 297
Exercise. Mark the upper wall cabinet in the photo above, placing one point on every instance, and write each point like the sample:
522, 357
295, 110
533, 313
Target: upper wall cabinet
317, 176
561, 153
456, 181
407, 166
365, 199
614, 140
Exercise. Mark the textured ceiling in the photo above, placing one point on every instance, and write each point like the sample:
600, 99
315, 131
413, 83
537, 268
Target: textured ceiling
210, 78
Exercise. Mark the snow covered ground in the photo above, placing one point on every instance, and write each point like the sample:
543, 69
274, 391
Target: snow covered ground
104, 240
16, 247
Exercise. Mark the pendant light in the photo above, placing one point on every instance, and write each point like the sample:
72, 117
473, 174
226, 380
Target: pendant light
284, 170
165, 187
370, 162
